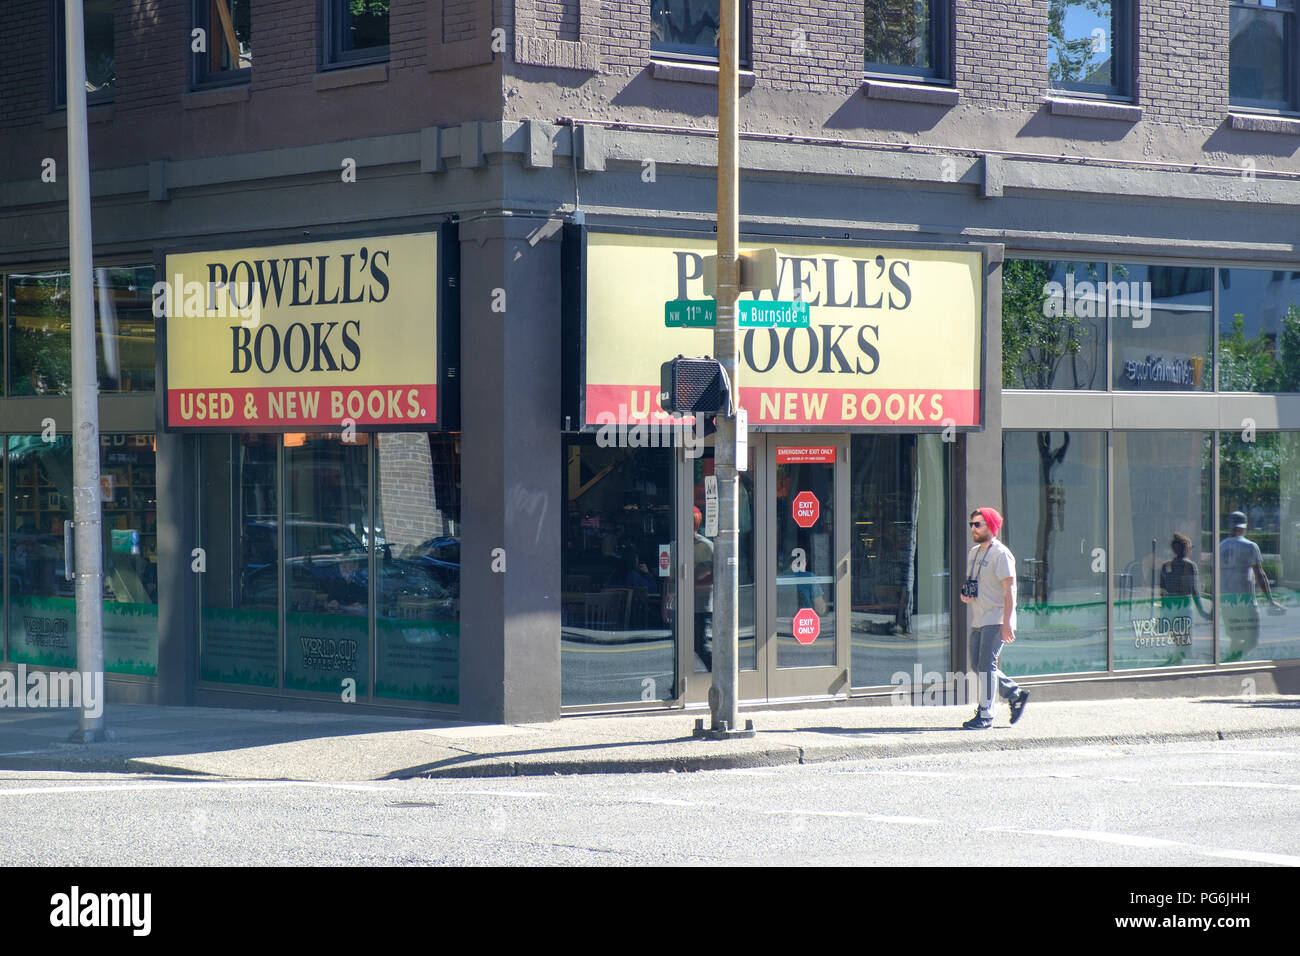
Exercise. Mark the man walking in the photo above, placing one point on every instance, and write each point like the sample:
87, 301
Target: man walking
990, 597
1240, 568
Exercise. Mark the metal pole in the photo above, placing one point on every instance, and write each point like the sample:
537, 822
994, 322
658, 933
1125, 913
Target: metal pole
85, 391
723, 695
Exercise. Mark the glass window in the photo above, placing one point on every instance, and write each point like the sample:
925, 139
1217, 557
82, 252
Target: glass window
689, 28
1053, 324
42, 605
417, 558
1161, 328
907, 37
39, 323
899, 545
240, 586
1259, 330
1261, 56
618, 607
227, 50
1054, 486
1164, 549
101, 73
356, 30
705, 539
1259, 546
805, 563
326, 563
1086, 45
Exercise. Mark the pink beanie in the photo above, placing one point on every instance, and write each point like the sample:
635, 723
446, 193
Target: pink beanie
991, 518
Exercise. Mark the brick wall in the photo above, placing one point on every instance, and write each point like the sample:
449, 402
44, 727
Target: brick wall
1183, 61
807, 47
458, 19
557, 18
26, 41
1001, 53
411, 511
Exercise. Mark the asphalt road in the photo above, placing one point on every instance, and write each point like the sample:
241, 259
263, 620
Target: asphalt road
1229, 803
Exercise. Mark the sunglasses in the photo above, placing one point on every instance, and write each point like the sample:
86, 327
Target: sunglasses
977, 524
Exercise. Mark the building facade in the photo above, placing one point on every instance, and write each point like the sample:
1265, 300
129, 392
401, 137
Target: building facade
1049, 253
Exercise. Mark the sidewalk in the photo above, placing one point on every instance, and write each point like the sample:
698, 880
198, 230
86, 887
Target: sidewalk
260, 744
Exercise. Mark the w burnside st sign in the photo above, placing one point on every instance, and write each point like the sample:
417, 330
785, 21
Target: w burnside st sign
893, 336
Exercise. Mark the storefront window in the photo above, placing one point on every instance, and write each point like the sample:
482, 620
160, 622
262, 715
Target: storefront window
39, 326
1164, 549
1054, 486
899, 558
416, 542
240, 586
805, 563
1259, 546
703, 550
617, 638
42, 606
327, 569
1161, 328
1054, 324
1259, 330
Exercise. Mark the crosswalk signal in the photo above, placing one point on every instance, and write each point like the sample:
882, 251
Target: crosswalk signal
689, 385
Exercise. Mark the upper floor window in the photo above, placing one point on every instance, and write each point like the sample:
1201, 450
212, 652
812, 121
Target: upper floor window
224, 50
101, 74
1088, 46
908, 38
355, 31
1261, 54
683, 28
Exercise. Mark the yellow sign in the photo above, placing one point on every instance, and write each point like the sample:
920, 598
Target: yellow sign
894, 337
310, 334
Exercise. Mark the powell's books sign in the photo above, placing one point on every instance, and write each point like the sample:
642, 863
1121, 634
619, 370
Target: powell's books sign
894, 338
293, 337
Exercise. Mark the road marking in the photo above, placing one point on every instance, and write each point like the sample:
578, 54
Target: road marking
196, 785
498, 793
854, 814
1239, 784
1153, 843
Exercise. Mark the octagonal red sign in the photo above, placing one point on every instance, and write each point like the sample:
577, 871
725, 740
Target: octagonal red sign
806, 509
807, 626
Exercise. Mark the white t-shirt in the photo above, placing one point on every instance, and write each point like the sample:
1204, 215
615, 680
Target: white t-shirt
992, 568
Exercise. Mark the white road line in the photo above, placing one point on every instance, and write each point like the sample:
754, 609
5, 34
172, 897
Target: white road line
854, 814
1237, 784
196, 785
498, 793
1153, 843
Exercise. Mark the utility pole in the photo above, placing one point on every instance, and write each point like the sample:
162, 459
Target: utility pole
723, 696
85, 385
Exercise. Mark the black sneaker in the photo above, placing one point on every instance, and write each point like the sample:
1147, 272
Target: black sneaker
978, 723
1018, 705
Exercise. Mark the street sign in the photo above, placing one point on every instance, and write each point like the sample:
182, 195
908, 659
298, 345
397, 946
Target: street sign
765, 314
806, 508
691, 313
807, 626
753, 313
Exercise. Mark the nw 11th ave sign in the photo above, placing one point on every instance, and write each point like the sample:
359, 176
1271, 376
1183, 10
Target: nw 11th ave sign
754, 314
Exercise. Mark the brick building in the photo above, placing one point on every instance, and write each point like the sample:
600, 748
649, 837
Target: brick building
1049, 250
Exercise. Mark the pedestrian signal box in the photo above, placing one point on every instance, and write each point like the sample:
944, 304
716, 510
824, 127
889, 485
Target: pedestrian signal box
689, 385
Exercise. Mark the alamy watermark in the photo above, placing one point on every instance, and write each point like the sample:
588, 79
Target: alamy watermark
196, 300
1099, 299
670, 431
41, 689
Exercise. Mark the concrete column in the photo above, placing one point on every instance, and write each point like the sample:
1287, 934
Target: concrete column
978, 466
511, 491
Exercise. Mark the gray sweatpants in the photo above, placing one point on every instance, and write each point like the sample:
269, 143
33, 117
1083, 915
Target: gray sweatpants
985, 649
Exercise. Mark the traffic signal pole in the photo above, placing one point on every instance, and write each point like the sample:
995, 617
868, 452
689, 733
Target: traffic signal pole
723, 696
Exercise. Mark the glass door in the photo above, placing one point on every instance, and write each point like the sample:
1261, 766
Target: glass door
807, 578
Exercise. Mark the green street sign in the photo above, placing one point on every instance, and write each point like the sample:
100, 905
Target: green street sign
754, 314
691, 313
762, 314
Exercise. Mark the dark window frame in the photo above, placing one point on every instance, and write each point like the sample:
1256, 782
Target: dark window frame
943, 53
200, 76
1124, 34
333, 56
59, 67
694, 54
1291, 41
